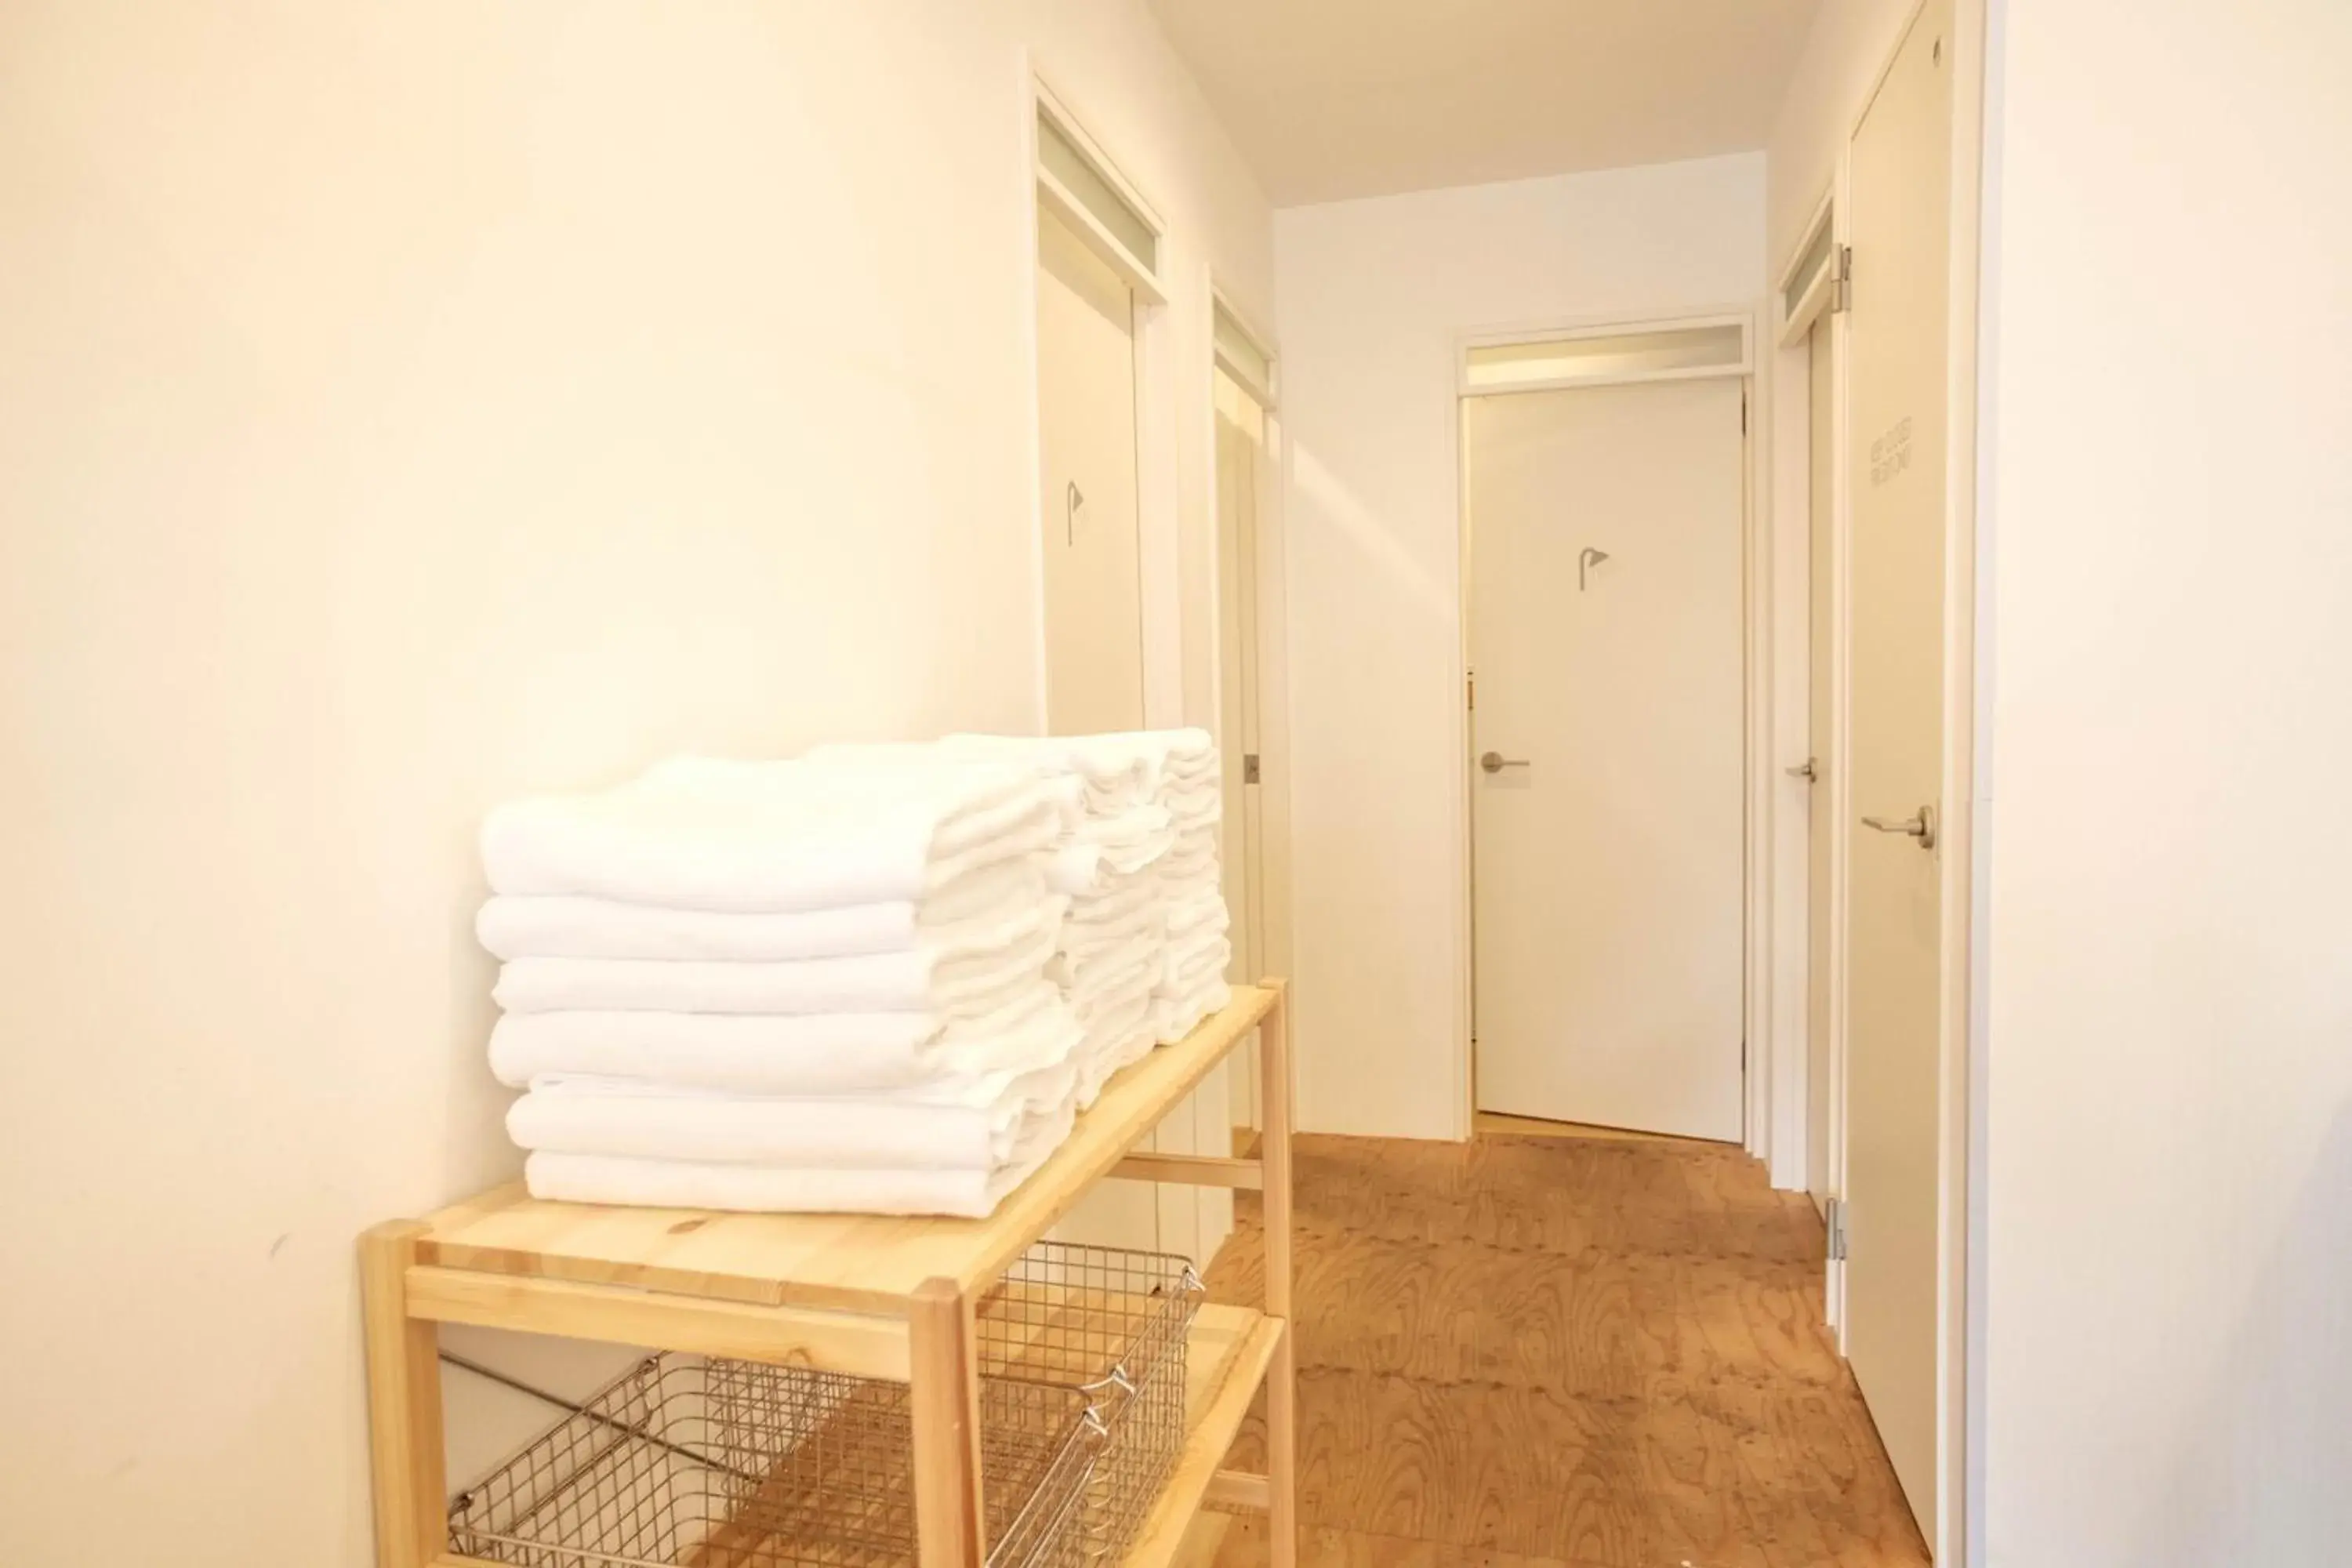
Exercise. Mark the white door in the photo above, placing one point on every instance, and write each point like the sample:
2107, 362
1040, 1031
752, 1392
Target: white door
1606, 639
1241, 449
1086, 411
1895, 359
1093, 609
1820, 703
1241, 432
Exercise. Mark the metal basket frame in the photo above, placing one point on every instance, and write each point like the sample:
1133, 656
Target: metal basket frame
710, 1462
1112, 1323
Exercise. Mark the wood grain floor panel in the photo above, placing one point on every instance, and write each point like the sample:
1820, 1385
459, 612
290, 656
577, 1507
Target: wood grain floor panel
1464, 1314
1597, 1353
1590, 1323
1553, 1195
1499, 1123
1520, 1470
1244, 1546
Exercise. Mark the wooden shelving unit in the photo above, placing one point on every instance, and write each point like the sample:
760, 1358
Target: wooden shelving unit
874, 1296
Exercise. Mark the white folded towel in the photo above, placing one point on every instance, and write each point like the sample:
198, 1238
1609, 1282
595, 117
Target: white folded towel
1195, 806
1081, 865
1077, 870
1125, 859
1084, 938
1138, 759
1085, 871
1116, 794
1146, 823
1117, 769
1210, 947
651, 1121
781, 1189
1188, 966
1122, 1036
1193, 859
960, 970
523, 926
764, 837
1086, 980
915, 1057
1102, 1010
1201, 908
1117, 897
1176, 1017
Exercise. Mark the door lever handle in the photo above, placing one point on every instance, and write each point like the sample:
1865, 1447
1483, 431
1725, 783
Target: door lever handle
1921, 827
1804, 770
1495, 762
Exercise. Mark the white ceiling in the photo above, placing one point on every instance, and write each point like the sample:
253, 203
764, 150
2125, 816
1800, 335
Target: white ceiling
1331, 98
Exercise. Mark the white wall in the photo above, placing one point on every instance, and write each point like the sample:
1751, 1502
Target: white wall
402, 407
2170, 1115
1375, 295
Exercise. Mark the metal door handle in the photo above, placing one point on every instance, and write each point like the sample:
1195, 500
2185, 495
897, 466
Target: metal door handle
1805, 771
1495, 762
1585, 558
1921, 827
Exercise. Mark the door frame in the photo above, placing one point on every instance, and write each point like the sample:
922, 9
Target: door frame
1754, 373
1955, 1534
1814, 334
1157, 519
1273, 932
1795, 734
1202, 1217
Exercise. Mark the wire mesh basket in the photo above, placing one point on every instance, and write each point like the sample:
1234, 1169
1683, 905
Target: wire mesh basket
702, 1462
1112, 1323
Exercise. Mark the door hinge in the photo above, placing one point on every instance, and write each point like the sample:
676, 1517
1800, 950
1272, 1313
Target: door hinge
1249, 767
1470, 691
1842, 294
1835, 1220
1743, 411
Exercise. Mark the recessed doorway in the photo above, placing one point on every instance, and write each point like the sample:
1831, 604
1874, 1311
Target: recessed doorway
1605, 500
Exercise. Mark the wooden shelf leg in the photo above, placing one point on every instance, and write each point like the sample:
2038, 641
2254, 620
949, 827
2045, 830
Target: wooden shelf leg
1282, 1377
1281, 1451
944, 1395
412, 1493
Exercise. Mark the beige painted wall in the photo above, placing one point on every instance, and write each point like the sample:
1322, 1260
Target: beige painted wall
1375, 295
2168, 1121
402, 408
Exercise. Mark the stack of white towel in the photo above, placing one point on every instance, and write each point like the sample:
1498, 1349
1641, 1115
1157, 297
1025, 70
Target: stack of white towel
1142, 952
785, 987
1192, 983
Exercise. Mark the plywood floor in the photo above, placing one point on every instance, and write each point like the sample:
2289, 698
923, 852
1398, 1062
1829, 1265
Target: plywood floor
1603, 1354
1496, 1123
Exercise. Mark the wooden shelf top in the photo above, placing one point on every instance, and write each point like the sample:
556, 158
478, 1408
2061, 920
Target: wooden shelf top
855, 1263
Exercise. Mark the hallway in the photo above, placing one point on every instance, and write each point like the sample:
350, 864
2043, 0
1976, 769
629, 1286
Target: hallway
1593, 1352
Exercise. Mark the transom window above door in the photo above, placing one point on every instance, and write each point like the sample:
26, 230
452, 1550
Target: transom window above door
1667, 351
